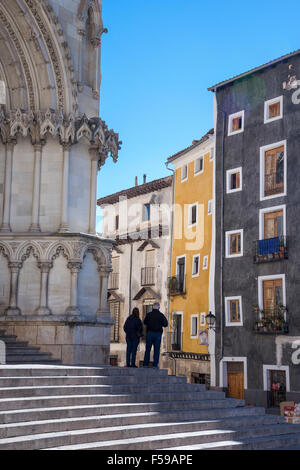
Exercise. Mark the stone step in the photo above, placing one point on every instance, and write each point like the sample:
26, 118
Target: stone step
69, 371
141, 389
8, 338
14, 344
151, 421
89, 380
167, 401
140, 438
127, 414
24, 351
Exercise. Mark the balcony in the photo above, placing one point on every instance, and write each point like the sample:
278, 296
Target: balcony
270, 249
274, 183
271, 322
113, 283
176, 285
148, 276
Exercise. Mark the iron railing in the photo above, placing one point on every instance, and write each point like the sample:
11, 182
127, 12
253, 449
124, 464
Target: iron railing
271, 321
274, 183
148, 276
113, 282
176, 285
270, 249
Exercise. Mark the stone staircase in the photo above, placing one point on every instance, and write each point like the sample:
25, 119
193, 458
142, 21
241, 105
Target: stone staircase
19, 352
110, 408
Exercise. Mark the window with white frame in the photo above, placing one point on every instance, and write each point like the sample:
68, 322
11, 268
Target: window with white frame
146, 212
273, 109
272, 295
196, 265
209, 207
233, 311
234, 243
184, 173
199, 165
194, 326
236, 123
234, 180
205, 262
273, 163
193, 214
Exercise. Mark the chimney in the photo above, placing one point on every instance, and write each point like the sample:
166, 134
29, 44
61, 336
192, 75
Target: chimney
144, 179
136, 181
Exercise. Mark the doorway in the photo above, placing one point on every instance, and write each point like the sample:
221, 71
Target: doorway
235, 380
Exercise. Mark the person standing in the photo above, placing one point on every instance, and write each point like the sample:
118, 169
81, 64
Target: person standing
133, 328
155, 321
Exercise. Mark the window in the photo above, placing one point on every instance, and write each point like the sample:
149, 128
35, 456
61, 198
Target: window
196, 265
273, 170
272, 222
236, 123
209, 207
199, 165
273, 110
193, 213
233, 311
234, 243
117, 222
205, 262
180, 274
234, 180
146, 212
184, 173
177, 329
194, 326
271, 295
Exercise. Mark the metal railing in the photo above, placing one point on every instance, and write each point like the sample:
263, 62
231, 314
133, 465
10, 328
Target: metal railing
113, 282
270, 249
274, 183
176, 285
148, 276
271, 321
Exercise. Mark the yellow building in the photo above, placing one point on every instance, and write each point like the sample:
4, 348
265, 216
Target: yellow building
190, 296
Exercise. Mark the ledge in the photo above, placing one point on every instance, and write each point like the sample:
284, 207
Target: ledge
69, 320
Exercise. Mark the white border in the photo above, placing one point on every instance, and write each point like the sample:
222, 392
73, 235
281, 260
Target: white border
227, 243
187, 173
223, 370
212, 154
189, 224
196, 173
262, 169
228, 175
266, 379
198, 273
210, 207
264, 211
191, 317
260, 280
267, 104
233, 116
227, 311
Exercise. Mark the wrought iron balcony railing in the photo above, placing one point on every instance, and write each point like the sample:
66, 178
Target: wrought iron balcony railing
148, 276
274, 183
176, 285
270, 249
113, 282
271, 321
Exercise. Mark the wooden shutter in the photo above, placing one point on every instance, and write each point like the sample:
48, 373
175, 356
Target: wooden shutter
234, 310
273, 224
272, 292
274, 171
235, 243
274, 110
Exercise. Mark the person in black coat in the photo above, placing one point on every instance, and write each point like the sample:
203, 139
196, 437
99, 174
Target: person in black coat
133, 328
155, 322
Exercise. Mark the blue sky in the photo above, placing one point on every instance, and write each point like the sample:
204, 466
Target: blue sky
158, 59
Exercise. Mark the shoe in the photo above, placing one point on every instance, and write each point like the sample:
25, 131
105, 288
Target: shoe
134, 366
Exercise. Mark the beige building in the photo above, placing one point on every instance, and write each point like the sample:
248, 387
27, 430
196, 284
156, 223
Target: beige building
53, 267
138, 219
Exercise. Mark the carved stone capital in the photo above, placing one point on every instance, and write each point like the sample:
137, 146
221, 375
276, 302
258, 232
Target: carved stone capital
15, 266
74, 266
45, 266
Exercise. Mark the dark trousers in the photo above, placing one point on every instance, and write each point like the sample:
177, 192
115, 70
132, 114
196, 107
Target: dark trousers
131, 352
153, 338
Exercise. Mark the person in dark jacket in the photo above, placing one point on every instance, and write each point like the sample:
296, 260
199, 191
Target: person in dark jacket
155, 321
133, 328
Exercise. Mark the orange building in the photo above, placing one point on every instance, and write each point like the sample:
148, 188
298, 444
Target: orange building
191, 278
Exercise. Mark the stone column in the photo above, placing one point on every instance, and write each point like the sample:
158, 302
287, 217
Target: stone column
96, 44
35, 216
81, 35
94, 154
45, 267
74, 267
13, 308
64, 225
9, 150
103, 310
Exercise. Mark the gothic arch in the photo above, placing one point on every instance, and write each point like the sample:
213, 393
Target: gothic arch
57, 248
101, 255
6, 250
27, 248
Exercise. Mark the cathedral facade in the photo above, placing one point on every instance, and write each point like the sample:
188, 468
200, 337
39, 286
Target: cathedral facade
54, 267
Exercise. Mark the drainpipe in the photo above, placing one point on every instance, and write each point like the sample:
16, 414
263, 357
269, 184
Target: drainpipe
171, 244
130, 277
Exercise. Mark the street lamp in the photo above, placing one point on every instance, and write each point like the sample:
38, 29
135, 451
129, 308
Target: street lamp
211, 321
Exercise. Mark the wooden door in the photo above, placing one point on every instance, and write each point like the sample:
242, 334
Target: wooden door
273, 226
272, 292
235, 381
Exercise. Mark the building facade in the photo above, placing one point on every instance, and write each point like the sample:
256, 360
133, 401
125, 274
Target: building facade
138, 220
53, 267
190, 298
257, 117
